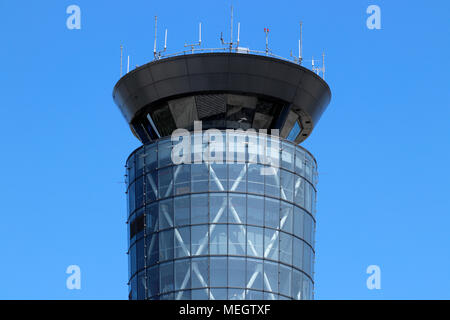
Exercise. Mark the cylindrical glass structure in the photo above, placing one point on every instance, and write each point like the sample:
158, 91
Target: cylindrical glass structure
241, 228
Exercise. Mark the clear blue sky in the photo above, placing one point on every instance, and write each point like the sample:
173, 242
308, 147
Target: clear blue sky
382, 145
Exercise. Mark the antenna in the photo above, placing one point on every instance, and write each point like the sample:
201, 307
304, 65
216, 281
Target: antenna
231, 28
300, 44
156, 27
156, 53
121, 58
231, 43
239, 32
199, 43
299, 60
323, 65
317, 70
165, 41
266, 31
128, 64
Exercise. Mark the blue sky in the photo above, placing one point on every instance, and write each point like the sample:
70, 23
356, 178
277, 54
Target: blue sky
382, 146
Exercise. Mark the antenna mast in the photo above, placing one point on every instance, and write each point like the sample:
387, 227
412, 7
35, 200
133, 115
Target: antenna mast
199, 43
121, 58
231, 43
317, 70
299, 60
156, 27
266, 31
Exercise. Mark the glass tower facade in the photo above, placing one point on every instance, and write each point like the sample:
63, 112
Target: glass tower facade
239, 229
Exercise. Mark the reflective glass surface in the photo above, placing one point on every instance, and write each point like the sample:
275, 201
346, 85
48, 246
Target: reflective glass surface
231, 230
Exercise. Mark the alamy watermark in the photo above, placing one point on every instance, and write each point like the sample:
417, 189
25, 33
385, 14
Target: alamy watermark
73, 282
74, 20
374, 280
374, 20
209, 147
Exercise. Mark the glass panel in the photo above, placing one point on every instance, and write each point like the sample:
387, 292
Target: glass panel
137, 225
182, 242
201, 294
165, 178
272, 213
199, 208
253, 295
285, 280
287, 156
307, 288
300, 162
255, 241
271, 238
236, 294
308, 225
254, 277
132, 257
151, 216
299, 191
131, 200
139, 192
165, 214
168, 296
182, 210
294, 132
255, 210
199, 174
164, 153
199, 240
183, 295
218, 294
166, 245
237, 209
298, 222
141, 286
219, 239
236, 240
287, 185
237, 175
183, 111
298, 254
255, 179
153, 281
218, 271
152, 247
200, 274
218, 207
308, 168
272, 185
308, 190
131, 168
166, 277
151, 186
287, 217
297, 284
140, 254
270, 276
139, 158
285, 248
307, 258
134, 288
182, 177
218, 177
182, 274
236, 272
151, 161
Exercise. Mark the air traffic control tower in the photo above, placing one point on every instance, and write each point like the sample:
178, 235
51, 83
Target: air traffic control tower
240, 228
